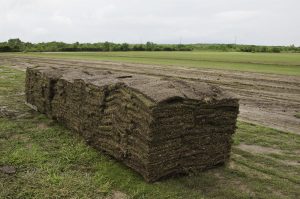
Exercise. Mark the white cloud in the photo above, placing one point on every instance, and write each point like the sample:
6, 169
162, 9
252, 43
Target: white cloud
237, 15
272, 22
58, 19
39, 31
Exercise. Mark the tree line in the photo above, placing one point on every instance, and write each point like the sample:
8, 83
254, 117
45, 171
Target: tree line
16, 45
246, 48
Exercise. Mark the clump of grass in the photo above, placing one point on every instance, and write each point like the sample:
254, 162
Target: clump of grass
297, 115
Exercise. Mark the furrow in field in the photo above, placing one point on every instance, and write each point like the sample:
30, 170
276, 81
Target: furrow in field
267, 99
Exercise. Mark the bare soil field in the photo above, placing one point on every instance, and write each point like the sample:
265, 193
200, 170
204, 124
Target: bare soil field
266, 99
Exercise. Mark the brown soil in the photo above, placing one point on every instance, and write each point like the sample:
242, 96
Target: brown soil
266, 99
118, 195
42, 126
258, 149
5, 112
8, 169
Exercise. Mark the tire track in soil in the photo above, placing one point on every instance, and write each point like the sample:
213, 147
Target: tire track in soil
266, 99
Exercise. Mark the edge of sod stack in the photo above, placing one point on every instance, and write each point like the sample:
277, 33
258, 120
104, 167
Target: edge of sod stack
156, 125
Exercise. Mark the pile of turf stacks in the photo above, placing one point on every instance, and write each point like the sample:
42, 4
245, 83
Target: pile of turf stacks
157, 126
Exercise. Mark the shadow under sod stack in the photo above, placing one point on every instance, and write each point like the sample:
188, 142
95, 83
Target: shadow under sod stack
158, 126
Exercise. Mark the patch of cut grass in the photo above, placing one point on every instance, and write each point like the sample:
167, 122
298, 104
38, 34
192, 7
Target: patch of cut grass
267, 137
276, 63
53, 162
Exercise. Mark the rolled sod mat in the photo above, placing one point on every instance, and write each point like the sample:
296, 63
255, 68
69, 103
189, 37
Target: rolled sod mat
158, 126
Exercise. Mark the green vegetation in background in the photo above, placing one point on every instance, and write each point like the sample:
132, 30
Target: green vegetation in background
282, 63
53, 162
16, 45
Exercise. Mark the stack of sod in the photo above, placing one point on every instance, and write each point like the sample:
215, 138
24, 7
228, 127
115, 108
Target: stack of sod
157, 126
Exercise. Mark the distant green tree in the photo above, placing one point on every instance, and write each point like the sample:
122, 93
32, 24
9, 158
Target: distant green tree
264, 49
16, 44
106, 46
138, 47
115, 47
275, 50
124, 47
150, 46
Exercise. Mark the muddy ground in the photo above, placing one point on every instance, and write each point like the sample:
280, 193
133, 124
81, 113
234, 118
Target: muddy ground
266, 99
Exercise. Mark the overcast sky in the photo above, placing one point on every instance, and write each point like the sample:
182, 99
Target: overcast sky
270, 22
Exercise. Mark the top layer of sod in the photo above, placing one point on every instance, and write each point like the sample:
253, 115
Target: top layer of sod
157, 89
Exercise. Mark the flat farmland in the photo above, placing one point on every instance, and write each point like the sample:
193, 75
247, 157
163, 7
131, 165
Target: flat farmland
276, 63
269, 97
52, 162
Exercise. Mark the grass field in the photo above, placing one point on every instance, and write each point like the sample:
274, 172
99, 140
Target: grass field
53, 162
277, 63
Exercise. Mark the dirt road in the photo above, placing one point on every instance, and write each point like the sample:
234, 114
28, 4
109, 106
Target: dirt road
266, 99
